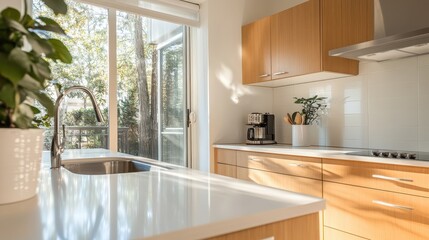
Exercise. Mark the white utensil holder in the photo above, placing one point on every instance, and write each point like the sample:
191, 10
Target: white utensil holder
300, 135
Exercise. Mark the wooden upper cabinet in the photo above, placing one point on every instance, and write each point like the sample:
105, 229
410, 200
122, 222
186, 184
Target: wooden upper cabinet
295, 41
256, 51
300, 40
345, 22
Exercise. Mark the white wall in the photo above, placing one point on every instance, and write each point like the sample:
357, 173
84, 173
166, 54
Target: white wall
229, 100
11, 3
384, 107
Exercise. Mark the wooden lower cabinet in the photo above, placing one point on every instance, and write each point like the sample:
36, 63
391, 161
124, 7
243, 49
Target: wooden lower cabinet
299, 228
226, 170
375, 214
334, 234
290, 165
291, 183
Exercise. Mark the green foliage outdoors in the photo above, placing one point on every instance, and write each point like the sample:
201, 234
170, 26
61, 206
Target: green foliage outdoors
25, 46
312, 108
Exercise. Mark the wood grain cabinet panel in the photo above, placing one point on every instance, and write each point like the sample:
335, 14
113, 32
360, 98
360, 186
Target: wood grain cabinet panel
226, 170
334, 234
402, 179
256, 51
290, 183
284, 164
300, 39
299, 228
225, 156
295, 41
375, 214
344, 23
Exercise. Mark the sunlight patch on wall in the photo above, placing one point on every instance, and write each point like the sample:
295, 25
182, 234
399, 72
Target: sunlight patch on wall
237, 90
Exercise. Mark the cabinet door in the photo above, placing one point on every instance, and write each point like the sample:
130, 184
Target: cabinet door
290, 165
304, 227
295, 41
401, 179
285, 182
225, 156
375, 214
256, 55
333, 234
226, 170
345, 22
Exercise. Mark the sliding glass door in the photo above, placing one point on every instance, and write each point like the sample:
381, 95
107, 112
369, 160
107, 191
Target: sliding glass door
150, 79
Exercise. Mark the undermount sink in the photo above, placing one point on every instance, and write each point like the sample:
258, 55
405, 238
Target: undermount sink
111, 166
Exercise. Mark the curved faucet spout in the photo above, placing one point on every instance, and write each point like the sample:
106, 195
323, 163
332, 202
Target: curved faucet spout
57, 147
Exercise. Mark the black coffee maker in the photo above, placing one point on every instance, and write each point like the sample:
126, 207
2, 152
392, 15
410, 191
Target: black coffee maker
261, 129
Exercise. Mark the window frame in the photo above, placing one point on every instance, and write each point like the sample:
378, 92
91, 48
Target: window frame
113, 78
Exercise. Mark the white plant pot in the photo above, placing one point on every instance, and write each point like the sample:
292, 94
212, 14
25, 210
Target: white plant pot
300, 135
20, 160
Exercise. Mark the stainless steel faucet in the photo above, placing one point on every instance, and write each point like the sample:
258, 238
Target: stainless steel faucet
57, 147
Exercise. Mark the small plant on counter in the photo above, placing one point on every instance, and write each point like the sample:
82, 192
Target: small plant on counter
26, 45
312, 109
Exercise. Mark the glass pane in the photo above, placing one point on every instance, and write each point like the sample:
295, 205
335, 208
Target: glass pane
86, 27
150, 84
172, 103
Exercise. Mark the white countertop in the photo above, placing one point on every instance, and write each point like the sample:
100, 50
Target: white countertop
321, 152
169, 204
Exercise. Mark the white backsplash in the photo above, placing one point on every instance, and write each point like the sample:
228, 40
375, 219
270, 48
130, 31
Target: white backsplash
385, 107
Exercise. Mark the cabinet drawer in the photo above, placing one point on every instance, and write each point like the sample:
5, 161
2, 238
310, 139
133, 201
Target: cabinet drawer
285, 182
226, 170
402, 179
291, 165
225, 156
375, 214
333, 234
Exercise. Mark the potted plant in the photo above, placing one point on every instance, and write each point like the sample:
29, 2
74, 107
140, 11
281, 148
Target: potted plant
26, 47
312, 109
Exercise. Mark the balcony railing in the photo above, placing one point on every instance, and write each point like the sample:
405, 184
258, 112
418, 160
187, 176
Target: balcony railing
78, 137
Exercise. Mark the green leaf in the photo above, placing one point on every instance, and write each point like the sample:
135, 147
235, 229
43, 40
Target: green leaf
23, 117
50, 25
19, 57
34, 109
27, 21
7, 95
44, 44
58, 6
11, 71
11, 13
43, 99
60, 51
30, 83
41, 71
16, 25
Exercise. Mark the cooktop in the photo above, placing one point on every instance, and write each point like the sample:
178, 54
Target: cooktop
424, 156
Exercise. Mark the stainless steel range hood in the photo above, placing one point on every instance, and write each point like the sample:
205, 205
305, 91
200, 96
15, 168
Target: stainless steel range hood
401, 30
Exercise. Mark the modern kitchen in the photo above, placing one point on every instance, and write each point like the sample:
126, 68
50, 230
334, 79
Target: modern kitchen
274, 119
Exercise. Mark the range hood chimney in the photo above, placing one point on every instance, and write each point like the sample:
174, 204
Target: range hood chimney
401, 30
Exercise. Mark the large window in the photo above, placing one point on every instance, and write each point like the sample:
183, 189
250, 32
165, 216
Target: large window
150, 81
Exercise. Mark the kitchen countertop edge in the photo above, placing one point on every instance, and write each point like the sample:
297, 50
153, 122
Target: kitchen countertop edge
320, 152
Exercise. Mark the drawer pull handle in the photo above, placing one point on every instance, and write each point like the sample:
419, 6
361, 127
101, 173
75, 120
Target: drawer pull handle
264, 75
392, 205
279, 73
392, 178
297, 165
256, 159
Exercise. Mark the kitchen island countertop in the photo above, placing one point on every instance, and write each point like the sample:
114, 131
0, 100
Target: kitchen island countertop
166, 204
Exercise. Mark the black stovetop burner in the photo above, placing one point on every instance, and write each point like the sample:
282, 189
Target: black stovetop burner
424, 156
